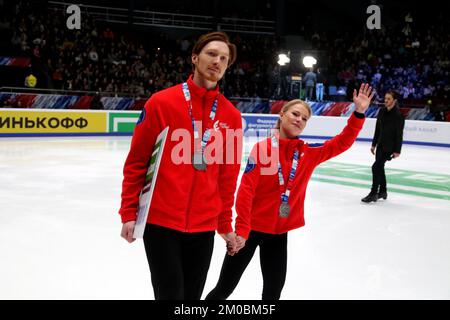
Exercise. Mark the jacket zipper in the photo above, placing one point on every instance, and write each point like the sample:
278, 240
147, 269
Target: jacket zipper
190, 202
193, 182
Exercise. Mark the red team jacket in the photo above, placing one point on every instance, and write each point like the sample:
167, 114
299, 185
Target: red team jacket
258, 199
184, 199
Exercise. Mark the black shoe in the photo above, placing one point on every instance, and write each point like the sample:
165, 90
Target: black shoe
372, 196
382, 194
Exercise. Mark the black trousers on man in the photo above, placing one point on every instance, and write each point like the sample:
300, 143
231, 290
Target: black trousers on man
273, 259
178, 261
378, 173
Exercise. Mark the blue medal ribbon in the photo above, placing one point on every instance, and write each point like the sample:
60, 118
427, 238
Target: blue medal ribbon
287, 192
212, 116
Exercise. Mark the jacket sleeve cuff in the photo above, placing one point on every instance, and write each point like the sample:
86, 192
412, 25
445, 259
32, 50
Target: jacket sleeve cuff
243, 232
224, 228
128, 216
359, 115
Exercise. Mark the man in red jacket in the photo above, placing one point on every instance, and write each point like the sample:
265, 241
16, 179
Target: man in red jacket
195, 190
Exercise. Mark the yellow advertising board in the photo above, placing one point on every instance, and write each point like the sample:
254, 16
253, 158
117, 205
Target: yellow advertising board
39, 121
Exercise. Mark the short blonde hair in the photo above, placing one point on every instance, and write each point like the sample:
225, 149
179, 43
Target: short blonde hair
291, 103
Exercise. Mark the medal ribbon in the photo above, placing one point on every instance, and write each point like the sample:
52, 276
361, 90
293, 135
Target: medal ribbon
212, 116
285, 194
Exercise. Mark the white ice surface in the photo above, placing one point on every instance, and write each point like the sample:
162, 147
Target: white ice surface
60, 231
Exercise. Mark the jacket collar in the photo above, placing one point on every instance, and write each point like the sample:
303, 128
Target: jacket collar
291, 143
201, 92
288, 143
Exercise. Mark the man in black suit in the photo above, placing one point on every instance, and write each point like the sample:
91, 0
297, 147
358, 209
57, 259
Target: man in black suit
386, 144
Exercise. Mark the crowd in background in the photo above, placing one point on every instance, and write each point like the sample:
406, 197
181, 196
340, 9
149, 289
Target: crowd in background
411, 60
102, 58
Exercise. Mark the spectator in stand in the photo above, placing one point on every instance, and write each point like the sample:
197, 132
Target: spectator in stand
320, 86
96, 103
30, 81
310, 80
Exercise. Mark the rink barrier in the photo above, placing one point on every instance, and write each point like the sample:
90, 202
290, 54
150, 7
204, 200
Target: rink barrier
50, 122
244, 105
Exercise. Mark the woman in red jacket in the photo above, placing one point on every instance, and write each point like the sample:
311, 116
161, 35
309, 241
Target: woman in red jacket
272, 192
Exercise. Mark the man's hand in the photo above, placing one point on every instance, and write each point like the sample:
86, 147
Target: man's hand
127, 231
372, 149
395, 155
230, 239
363, 98
240, 243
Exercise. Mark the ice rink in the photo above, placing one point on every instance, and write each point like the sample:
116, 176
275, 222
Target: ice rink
60, 230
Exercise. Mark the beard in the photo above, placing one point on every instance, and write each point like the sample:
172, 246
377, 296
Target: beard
210, 76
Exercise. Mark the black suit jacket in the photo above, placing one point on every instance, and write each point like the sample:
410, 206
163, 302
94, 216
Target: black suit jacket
389, 130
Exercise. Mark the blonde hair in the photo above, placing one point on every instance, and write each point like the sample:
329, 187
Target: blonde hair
291, 103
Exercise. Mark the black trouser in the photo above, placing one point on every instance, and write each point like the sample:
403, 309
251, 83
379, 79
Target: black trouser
378, 174
273, 259
178, 261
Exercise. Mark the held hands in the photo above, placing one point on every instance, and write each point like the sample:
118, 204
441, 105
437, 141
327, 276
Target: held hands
240, 243
363, 98
127, 231
230, 239
234, 242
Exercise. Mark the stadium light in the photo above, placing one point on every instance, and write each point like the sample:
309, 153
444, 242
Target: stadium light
283, 59
309, 61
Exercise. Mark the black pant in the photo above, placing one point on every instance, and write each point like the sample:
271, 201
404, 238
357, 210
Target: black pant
178, 261
378, 174
273, 259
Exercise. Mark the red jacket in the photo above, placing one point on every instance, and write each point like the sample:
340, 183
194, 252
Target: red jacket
258, 199
184, 199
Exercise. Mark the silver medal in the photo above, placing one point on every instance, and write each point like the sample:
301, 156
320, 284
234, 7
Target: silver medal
198, 161
284, 210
